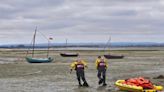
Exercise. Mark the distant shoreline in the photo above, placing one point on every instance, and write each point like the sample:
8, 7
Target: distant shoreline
91, 48
87, 45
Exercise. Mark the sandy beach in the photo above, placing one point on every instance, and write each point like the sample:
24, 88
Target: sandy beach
16, 75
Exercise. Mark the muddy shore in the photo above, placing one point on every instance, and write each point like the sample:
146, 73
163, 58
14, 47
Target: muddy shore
16, 75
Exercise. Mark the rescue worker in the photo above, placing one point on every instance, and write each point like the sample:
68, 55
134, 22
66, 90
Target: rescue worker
101, 65
79, 66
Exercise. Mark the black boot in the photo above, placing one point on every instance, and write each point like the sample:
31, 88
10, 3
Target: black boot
104, 84
100, 81
85, 84
104, 80
80, 84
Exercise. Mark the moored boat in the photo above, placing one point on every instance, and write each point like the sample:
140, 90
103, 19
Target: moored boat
110, 56
39, 60
113, 56
69, 54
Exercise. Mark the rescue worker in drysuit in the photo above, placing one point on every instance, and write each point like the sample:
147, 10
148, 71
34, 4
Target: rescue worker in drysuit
79, 66
101, 66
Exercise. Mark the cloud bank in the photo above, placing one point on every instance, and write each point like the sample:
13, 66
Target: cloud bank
82, 20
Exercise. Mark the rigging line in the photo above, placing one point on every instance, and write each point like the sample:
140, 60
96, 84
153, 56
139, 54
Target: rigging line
108, 42
30, 45
48, 42
43, 35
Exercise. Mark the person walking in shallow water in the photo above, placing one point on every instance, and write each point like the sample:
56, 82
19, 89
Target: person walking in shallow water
101, 66
79, 66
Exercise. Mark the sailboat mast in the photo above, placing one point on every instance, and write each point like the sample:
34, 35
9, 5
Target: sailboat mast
33, 46
107, 44
48, 48
66, 43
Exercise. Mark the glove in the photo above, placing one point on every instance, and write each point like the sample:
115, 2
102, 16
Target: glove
86, 66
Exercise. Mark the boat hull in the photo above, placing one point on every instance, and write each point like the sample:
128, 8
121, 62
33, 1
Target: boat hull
69, 54
39, 60
132, 88
113, 56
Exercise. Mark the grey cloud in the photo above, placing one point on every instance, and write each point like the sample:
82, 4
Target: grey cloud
95, 18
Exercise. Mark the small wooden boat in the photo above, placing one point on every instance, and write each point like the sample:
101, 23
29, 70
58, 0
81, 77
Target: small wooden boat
132, 88
69, 54
39, 60
109, 56
113, 56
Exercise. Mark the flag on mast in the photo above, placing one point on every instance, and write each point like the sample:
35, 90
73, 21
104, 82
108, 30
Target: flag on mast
50, 38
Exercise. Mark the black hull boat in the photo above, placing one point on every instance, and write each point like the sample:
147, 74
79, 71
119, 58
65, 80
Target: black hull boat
69, 54
113, 56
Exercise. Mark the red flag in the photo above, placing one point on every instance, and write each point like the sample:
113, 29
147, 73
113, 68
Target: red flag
50, 38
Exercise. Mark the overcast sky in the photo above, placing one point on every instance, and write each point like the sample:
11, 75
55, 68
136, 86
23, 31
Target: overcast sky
82, 20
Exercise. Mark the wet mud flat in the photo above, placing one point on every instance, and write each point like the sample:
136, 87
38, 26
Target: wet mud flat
20, 76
